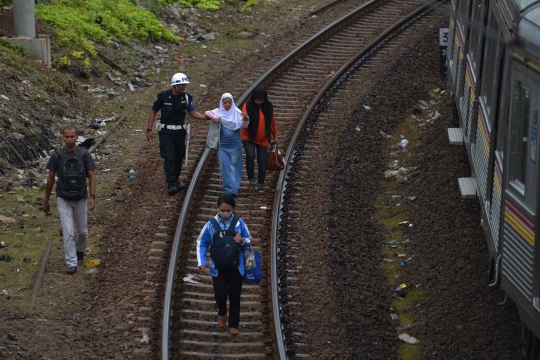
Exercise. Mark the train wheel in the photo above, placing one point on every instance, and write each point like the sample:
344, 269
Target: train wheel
526, 344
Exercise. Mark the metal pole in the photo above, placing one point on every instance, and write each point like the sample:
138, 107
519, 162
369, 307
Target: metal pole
24, 18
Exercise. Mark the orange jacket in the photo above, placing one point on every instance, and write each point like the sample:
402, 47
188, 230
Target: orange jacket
261, 137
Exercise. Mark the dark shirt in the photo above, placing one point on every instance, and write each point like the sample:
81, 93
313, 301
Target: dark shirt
55, 163
173, 108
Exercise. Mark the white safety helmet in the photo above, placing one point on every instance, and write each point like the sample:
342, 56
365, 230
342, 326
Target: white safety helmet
179, 79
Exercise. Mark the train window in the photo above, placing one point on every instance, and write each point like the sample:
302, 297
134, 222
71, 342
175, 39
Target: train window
523, 135
463, 14
476, 29
521, 107
492, 65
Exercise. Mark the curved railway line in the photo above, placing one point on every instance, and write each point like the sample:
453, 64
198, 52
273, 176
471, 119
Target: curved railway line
324, 62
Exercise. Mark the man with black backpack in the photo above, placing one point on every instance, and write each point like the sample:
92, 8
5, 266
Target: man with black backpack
73, 165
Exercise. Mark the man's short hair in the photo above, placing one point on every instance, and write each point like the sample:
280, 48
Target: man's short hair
69, 127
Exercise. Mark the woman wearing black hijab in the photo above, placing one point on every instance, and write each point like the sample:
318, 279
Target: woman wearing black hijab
258, 135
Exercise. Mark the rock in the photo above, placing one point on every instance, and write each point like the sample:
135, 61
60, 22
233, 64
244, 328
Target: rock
12, 337
245, 34
209, 37
37, 77
4, 97
6, 219
191, 24
96, 72
173, 10
138, 83
106, 151
174, 28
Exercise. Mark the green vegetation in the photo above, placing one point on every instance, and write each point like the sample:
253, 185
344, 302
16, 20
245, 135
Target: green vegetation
248, 5
12, 47
409, 352
82, 23
24, 241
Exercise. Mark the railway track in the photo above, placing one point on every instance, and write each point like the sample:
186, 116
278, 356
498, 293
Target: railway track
315, 130
189, 315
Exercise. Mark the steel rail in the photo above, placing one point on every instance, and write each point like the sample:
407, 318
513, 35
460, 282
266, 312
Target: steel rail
325, 7
194, 183
289, 158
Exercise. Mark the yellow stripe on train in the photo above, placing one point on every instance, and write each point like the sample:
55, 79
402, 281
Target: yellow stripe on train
497, 186
519, 227
483, 135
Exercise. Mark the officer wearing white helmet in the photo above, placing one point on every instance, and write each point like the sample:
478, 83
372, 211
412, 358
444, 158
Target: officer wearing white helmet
174, 104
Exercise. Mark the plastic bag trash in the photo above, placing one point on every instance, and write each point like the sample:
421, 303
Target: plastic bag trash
408, 339
4, 97
401, 255
202, 85
389, 173
385, 135
92, 271
367, 107
400, 287
103, 124
145, 338
394, 316
403, 223
192, 278
388, 260
92, 263
130, 86
436, 115
358, 128
404, 143
263, 207
404, 262
412, 198
132, 174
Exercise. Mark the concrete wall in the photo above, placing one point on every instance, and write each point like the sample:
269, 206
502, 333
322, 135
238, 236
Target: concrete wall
39, 48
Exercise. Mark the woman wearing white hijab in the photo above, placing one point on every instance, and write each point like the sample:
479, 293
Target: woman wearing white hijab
230, 146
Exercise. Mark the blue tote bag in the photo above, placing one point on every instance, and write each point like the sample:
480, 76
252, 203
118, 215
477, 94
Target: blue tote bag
252, 268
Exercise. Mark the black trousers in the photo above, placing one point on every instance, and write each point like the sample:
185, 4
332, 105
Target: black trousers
228, 283
173, 150
249, 147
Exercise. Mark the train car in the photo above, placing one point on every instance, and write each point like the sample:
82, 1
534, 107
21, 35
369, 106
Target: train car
494, 73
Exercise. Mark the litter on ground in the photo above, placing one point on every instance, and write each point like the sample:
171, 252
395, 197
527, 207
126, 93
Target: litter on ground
408, 339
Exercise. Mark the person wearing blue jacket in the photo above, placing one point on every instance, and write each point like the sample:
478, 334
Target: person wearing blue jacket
226, 282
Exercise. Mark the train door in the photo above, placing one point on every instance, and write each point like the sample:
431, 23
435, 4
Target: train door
519, 278
490, 183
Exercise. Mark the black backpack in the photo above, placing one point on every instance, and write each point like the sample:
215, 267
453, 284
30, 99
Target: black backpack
73, 176
224, 251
